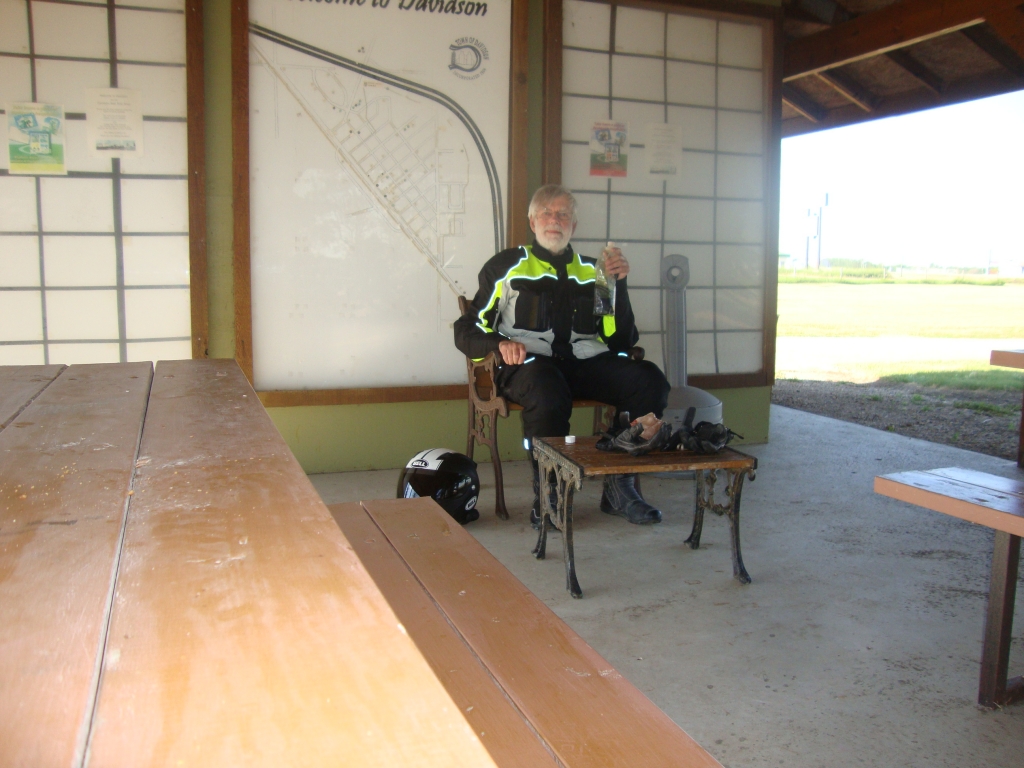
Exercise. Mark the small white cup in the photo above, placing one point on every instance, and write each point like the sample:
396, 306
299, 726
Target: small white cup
570, 439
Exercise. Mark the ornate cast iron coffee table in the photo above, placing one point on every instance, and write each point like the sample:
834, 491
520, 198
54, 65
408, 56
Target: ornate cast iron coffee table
566, 465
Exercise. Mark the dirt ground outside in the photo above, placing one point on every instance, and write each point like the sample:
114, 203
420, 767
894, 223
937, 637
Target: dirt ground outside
976, 420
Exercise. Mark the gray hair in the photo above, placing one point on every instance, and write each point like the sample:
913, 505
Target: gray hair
549, 193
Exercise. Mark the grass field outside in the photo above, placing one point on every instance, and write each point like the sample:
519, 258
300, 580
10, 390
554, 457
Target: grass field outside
895, 309
930, 334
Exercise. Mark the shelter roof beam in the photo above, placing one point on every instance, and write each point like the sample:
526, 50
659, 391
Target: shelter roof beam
893, 27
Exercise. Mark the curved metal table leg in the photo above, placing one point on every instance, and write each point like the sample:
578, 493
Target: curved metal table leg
567, 478
704, 491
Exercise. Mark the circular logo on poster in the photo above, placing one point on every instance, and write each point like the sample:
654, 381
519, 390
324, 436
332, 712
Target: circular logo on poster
468, 58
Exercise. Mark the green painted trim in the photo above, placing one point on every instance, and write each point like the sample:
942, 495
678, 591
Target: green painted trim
344, 438
219, 207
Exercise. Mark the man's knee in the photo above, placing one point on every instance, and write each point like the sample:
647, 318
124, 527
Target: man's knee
650, 386
545, 396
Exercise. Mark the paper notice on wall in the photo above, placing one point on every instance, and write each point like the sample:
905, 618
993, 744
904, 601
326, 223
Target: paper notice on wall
663, 149
35, 138
114, 122
609, 147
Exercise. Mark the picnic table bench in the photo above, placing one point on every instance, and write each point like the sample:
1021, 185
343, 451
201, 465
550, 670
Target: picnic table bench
537, 694
174, 592
995, 502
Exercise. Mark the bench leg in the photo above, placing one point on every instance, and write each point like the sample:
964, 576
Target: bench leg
735, 490
700, 493
994, 689
484, 430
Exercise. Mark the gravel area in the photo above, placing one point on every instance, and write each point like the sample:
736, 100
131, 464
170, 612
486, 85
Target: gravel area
984, 421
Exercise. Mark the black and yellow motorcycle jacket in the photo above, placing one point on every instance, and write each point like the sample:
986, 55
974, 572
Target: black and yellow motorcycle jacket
546, 302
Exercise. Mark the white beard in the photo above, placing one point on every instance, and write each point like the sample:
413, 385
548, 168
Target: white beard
556, 246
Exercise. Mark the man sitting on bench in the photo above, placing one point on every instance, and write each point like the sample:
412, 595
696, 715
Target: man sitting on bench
535, 311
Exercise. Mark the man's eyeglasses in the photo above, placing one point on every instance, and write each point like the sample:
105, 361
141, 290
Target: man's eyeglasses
546, 214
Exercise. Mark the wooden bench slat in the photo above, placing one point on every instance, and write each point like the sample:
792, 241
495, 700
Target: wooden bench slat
66, 465
981, 479
968, 501
245, 631
19, 384
546, 668
502, 729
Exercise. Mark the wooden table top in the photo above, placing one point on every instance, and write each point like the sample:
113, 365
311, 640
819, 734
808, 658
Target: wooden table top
989, 500
593, 462
1007, 358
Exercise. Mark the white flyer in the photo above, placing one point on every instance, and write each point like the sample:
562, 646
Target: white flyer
114, 122
663, 151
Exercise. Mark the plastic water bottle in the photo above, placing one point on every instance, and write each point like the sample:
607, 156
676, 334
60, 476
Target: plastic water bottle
604, 285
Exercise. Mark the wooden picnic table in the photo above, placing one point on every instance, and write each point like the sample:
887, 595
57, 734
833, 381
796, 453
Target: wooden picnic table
1012, 358
567, 464
174, 592
995, 502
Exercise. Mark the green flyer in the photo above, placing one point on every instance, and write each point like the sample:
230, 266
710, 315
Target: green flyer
35, 138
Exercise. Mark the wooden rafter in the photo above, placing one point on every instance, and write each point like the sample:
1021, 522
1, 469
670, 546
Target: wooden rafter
992, 44
917, 70
853, 91
1009, 25
895, 26
803, 103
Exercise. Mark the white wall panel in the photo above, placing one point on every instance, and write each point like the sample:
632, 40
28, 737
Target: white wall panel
77, 261
70, 30
81, 315
740, 265
644, 262
740, 352
77, 205
740, 132
19, 261
585, 25
21, 316
154, 205
15, 85
639, 31
701, 259
740, 176
152, 313
159, 350
691, 38
13, 28
740, 89
592, 213
698, 126
144, 36
165, 150
700, 353
77, 354
739, 309
691, 84
696, 176
579, 115
22, 354
585, 72
638, 78
739, 45
156, 261
163, 89
64, 82
18, 204
76, 149
700, 309
739, 222
689, 220
635, 218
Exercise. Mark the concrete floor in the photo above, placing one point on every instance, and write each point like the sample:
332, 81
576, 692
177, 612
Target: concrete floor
858, 642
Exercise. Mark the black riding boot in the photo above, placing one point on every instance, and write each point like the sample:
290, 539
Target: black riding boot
621, 498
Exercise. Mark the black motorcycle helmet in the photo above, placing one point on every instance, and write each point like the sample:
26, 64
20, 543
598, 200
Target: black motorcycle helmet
447, 477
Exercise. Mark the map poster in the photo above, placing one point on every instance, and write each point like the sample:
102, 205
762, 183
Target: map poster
35, 138
114, 122
609, 147
378, 178
663, 149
